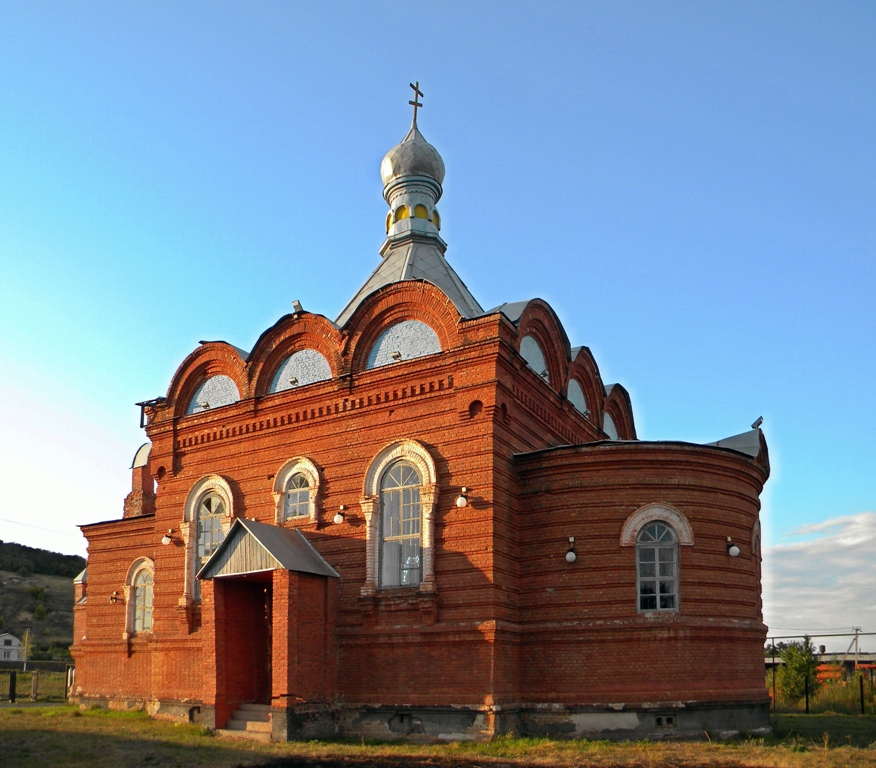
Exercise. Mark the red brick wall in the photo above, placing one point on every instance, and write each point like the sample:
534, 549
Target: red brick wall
510, 620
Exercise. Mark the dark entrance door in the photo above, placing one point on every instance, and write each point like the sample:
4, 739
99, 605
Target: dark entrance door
248, 637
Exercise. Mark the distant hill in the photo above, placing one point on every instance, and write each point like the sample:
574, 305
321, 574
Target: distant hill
28, 560
36, 593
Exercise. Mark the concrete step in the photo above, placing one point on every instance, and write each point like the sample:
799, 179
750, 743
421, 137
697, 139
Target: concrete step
252, 735
237, 723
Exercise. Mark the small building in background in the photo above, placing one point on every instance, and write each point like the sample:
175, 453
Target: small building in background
10, 647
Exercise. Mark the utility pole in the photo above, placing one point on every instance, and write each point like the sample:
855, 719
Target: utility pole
26, 648
857, 631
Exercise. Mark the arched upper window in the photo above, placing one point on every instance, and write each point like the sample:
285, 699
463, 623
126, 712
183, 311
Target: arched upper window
402, 212
531, 351
296, 502
400, 526
576, 397
295, 491
657, 562
143, 601
398, 502
138, 596
208, 516
211, 511
213, 393
403, 341
303, 367
609, 427
420, 211
436, 219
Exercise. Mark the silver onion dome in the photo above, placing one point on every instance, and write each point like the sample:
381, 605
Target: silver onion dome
414, 156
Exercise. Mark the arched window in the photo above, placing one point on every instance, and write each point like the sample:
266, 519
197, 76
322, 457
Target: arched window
295, 490
208, 516
403, 341
142, 608
138, 596
400, 526
402, 212
436, 219
297, 498
609, 427
301, 368
531, 351
420, 211
398, 503
657, 562
214, 393
576, 397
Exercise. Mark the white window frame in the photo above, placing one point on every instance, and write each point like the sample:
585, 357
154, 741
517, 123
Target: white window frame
664, 513
659, 561
300, 465
189, 527
416, 454
408, 500
141, 565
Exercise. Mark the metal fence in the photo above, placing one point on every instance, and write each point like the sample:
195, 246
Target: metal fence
35, 684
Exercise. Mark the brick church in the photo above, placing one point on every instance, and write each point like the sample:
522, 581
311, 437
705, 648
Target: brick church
426, 519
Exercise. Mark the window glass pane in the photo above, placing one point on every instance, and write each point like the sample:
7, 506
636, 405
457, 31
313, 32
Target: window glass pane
297, 502
400, 525
657, 572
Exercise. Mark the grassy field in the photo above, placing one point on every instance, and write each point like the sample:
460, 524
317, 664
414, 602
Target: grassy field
49, 737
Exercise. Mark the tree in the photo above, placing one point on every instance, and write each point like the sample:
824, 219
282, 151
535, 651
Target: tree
799, 666
39, 612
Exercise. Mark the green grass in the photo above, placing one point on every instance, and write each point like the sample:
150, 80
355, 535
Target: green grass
50, 737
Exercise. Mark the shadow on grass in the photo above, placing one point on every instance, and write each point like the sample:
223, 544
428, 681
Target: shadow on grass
37, 748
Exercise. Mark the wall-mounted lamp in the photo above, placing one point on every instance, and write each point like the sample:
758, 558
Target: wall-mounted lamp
462, 499
339, 517
732, 549
293, 382
114, 597
571, 555
168, 537
397, 356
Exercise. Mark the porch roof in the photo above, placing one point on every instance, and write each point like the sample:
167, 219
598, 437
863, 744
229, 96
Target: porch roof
252, 547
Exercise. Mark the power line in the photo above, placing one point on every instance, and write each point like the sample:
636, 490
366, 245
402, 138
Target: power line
39, 528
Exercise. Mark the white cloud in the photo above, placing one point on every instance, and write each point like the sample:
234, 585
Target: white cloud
825, 581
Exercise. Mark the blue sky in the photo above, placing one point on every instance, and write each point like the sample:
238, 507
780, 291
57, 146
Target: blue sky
692, 186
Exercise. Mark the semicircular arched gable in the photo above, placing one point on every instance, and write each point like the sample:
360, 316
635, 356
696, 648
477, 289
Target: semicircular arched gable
648, 514
293, 333
393, 304
215, 358
539, 321
617, 404
584, 370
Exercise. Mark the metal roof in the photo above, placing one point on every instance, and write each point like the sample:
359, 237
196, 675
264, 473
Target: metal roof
414, 258
141, 458
746, 442
253, 547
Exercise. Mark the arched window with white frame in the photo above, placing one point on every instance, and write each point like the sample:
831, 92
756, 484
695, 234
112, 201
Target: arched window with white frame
208, 516
398, 503
139, 587
296, 488
400, 526
657, 563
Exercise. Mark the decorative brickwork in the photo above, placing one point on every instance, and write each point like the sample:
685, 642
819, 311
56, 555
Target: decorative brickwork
496, 630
